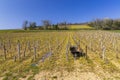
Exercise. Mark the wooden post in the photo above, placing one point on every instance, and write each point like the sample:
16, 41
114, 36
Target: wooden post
4, 49
14, 58
103, 52
37, 44
90, 45
9, 44
0, 44
117, 53
18, 46
101, 44
67, 51
29, 46
79, 44
113, 43
34, 52
24, 51
86, 52
50, 48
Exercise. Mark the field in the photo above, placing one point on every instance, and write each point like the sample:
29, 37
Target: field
46, 55
79, 27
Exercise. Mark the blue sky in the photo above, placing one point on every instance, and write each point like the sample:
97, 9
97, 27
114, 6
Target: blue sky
14, 12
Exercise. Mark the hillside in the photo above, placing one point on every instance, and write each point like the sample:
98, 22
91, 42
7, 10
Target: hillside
80, 27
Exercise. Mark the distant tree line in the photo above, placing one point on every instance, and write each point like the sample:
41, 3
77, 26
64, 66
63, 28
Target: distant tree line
105, 24
47, 25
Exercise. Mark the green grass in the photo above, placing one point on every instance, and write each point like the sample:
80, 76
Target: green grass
78, 27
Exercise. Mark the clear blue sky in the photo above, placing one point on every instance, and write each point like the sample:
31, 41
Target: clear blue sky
14, 12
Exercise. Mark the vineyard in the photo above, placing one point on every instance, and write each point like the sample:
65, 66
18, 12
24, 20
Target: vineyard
46, 55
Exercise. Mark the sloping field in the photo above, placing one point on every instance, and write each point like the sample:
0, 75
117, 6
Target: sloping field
46, 56
75, 27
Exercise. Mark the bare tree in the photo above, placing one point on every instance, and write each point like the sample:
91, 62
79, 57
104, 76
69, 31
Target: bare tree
46, 24
32, 25
63, 25
25, 25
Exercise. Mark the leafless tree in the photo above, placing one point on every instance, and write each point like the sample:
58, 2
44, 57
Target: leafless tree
46, 24
25, 25
32, 25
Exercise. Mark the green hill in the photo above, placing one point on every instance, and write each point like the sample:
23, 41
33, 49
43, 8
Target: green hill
75, 27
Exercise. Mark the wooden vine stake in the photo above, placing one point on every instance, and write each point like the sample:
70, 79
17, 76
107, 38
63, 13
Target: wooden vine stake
50, 47
18, 47
79, 44
67, 51
9, 43
103, 52
101, 49
14, 58
29, 46
4, 50
86, 53
117, 52
24, 53
90, 45
34, 52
